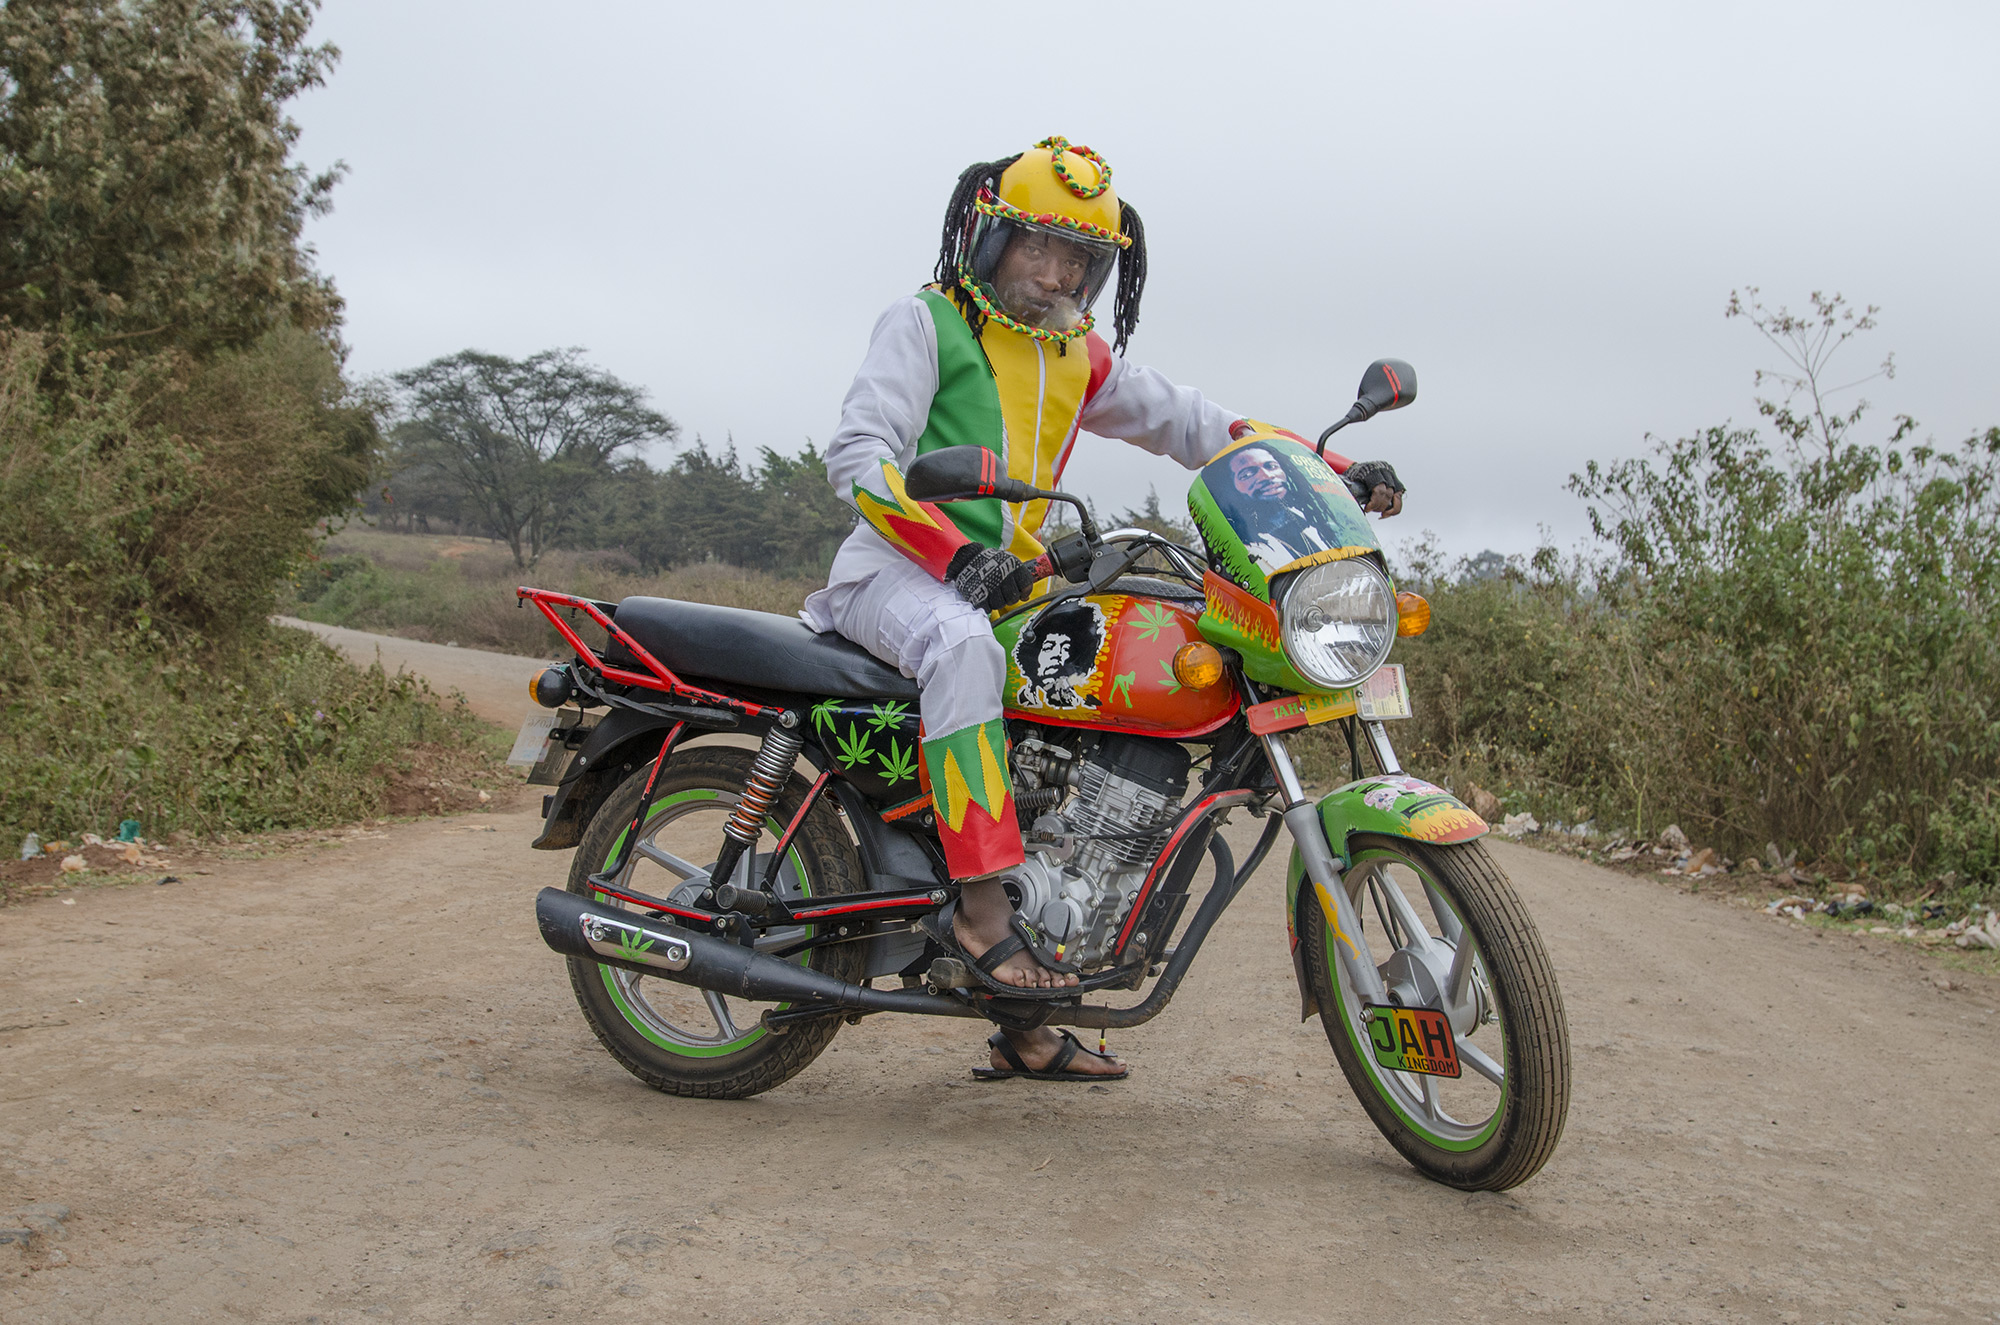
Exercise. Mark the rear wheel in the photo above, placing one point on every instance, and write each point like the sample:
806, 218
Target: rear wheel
1449, 935
672, 1036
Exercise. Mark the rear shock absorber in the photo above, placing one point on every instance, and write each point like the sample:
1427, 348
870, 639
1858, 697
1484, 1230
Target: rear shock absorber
769, 772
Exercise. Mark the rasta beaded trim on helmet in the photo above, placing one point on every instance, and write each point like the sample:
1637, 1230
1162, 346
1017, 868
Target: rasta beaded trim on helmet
1057, 145
955, 250
1007, 211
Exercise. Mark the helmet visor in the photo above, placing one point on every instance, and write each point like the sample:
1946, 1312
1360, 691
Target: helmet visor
1043, 275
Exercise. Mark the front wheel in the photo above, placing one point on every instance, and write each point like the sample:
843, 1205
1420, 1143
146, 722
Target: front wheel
1450, 937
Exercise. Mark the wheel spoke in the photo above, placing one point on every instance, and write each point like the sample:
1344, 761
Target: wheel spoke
1390, 929
1461, 971
666, 859
1477, 1059
1414, 933
720, 1011
1449, 925
1431, 1097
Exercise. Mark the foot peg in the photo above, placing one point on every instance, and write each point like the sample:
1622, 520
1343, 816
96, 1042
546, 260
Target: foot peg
949, 973
750, 901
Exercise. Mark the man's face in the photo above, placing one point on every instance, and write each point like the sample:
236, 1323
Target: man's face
1258, 474
1055, 652
1038, 278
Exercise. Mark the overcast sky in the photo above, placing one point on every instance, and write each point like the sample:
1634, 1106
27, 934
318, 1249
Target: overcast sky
1543, 207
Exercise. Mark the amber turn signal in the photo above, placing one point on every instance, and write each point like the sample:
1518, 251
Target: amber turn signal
1413, 614
552, 687
1197, 665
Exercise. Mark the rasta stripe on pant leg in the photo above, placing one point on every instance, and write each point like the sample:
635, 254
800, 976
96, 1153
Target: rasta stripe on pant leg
975, 799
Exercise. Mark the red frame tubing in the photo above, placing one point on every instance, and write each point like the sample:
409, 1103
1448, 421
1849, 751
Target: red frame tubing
792, 829
662, 679
655, 904
646, 797
916, 902
1201, 810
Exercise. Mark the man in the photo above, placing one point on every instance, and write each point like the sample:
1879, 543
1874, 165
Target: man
1273, 532
998, 353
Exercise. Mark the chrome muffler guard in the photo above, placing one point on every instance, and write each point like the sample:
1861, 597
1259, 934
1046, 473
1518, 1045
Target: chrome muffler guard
620, 938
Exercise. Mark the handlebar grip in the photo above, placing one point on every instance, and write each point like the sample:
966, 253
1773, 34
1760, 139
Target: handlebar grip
1044, 566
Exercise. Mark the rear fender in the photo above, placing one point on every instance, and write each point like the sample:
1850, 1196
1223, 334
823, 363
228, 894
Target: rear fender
615, 746
1389, 806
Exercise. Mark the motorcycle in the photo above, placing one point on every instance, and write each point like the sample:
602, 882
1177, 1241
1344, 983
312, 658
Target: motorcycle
730, 908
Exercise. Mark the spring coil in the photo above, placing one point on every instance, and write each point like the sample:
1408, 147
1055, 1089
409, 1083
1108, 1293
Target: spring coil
769, 772
1038, 798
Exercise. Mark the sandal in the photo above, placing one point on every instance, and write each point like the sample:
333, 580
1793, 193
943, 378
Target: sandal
1055, 1071
1023, 937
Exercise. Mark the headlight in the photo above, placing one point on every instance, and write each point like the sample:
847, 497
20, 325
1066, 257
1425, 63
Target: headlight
1340, 619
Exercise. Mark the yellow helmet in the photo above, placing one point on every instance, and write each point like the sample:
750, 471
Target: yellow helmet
1053, 183
1053, 209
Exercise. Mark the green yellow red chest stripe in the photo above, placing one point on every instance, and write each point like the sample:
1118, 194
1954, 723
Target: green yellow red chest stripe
1010, 395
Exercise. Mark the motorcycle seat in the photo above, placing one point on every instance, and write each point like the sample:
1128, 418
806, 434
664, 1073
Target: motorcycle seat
759, 649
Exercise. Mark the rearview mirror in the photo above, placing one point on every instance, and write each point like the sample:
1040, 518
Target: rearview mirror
1388, 384
960, 473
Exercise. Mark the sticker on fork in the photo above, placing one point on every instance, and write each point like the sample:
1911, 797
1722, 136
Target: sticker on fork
1413, 1040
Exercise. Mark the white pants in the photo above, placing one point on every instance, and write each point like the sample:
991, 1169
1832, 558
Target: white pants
923, 629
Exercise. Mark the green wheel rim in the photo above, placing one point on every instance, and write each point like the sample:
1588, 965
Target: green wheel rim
609, 974
1359, 1043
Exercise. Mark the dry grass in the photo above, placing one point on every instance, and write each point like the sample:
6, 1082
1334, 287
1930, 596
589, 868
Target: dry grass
453, 590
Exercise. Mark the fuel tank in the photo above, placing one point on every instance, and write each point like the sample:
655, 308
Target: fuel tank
1107, 661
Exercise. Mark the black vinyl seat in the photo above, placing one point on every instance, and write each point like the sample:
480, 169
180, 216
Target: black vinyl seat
759, 649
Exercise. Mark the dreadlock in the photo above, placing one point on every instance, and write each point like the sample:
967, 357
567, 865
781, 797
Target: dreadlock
954, 253
958, 218
1131, 276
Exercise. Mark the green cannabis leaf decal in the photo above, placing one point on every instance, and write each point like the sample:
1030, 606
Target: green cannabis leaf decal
630, 945
1172, 683
853, 746
823, 713
898, 765
1152, 620
887, 715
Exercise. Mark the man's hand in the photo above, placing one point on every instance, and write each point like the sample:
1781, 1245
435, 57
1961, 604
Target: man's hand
1375, 485
988, 578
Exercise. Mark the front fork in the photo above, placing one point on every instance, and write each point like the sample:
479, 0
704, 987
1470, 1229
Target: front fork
1302, 817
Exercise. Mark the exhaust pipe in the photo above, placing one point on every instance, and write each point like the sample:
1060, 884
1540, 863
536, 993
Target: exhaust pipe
577, 927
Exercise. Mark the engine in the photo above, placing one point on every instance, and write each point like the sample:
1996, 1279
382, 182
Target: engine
1106, 809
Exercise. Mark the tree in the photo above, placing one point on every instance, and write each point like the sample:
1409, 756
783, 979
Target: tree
146, 195
1152, 518
807, 522
527, 440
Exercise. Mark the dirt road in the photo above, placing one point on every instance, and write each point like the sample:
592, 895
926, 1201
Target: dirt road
351, 1085
495, 685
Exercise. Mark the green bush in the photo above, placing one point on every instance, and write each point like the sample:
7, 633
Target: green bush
170, 492
1791, 643
156, 506
277, 733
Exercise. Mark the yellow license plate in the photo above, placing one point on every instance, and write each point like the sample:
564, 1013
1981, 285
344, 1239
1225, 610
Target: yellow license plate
1413, 1040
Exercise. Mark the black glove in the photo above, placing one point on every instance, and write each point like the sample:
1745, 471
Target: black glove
1364, 476
988, 578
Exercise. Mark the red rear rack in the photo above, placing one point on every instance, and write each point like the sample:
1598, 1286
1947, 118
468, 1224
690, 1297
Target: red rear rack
661, 677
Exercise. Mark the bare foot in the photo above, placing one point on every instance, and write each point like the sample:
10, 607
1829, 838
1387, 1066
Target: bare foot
984, 913
1038, 1048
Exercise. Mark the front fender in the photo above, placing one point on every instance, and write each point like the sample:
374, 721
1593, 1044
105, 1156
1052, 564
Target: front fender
1392, 806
